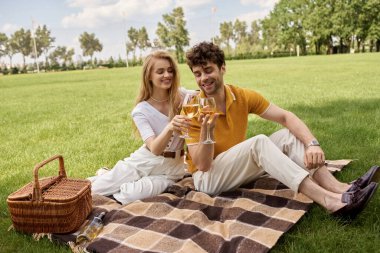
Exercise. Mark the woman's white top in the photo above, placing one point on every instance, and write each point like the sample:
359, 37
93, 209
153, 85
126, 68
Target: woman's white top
151, 122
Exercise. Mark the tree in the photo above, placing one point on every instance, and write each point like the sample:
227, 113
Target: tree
62, 53
158, 44
173, 32
143, 40
68, 54
373, 9
368, 23
54, 60
226, 34
289, 15
22, 43
217, 41
343, 19
3, 41
254, 36
242, 45
43, 41
133, 35
240, 31
129, 48
270, 33
9, 48
319, 25
163, 36
89, 44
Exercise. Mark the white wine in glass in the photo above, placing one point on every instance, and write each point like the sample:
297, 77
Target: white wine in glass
190, 107
208, 106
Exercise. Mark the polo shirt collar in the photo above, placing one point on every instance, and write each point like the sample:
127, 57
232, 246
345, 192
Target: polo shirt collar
230, 96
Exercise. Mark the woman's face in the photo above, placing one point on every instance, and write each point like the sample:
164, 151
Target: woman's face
162, 74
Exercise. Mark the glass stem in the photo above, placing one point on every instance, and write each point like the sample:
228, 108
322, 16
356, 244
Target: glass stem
208, 132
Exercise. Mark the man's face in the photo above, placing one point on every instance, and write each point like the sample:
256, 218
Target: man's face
209, 77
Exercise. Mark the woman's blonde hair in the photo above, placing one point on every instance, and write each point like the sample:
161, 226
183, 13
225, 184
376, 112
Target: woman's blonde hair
146, 86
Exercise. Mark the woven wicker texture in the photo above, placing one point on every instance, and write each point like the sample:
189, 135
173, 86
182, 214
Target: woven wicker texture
50, 205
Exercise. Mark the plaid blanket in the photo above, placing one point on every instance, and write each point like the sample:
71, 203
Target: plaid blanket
249, 219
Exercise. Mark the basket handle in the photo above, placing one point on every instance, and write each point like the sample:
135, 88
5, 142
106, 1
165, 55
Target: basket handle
37, 192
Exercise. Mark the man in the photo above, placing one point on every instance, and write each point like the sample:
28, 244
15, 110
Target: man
292, 155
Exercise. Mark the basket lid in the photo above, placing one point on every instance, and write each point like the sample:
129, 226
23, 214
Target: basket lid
26, 191
66, 190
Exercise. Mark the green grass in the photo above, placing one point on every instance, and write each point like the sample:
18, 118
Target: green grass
85, 116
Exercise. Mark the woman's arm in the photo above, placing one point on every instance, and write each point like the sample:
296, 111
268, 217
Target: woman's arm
157, 144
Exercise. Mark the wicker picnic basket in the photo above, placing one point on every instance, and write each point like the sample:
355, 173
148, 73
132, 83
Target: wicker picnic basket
55, 204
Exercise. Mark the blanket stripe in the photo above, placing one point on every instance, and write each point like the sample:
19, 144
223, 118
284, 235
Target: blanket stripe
249, 219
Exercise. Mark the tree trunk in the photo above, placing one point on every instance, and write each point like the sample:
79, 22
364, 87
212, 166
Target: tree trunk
358, 43
10, 61
46, 61
304, 50
317, 47
352, 42
177, 53
330, 46
228, 47
378, 45
371, 45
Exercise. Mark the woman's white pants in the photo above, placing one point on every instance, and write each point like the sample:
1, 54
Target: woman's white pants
139, 176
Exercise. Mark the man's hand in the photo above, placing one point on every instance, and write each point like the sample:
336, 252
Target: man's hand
202, 154
314, 157
208, 120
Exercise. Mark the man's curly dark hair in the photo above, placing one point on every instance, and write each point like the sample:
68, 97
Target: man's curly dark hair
204, 52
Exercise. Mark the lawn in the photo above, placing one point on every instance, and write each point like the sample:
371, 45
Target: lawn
85, 116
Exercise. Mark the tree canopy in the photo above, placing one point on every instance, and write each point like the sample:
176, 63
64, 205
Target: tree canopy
90, 44
173, 32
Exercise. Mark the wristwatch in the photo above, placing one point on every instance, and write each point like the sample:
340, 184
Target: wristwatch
313, 143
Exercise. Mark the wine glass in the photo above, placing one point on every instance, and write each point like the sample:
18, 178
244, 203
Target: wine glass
190, 107
208, 106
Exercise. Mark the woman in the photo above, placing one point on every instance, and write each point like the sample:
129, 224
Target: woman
159, 162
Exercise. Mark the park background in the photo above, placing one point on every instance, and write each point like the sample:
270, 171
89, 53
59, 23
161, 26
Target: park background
47, 35
84, 114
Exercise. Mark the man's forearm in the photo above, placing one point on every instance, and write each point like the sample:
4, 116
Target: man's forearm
298, 128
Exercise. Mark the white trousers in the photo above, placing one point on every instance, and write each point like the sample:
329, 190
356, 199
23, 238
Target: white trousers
139, 176
280, 155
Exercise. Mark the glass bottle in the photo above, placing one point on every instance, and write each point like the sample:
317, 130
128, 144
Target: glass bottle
91, 230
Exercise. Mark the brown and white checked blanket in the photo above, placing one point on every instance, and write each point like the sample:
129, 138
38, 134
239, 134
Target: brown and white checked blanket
249, 219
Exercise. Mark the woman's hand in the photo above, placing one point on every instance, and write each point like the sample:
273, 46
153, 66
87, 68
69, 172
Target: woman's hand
179, 123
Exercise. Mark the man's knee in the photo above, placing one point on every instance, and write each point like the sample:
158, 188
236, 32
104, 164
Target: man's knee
280, 134
259, 143
261, 138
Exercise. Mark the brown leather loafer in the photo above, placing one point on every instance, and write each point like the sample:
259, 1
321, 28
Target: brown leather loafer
356, 201
372, 175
